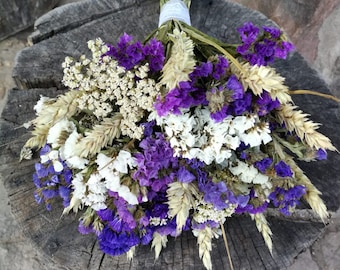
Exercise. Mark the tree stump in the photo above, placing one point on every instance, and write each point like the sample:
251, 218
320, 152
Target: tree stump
65, 31
18, 15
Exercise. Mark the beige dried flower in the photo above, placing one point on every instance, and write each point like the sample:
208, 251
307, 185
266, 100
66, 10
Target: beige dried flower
204, 239
158, 242
101, 136
263, 227
259, 78
181, 62
296, 120
181, 198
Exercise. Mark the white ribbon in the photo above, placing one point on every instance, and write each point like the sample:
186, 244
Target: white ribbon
174, 9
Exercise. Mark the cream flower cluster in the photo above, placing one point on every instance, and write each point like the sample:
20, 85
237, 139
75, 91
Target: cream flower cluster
206, 211
106, 84
196, 135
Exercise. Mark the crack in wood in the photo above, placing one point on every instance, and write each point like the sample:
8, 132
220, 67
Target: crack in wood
36, 38
91, 254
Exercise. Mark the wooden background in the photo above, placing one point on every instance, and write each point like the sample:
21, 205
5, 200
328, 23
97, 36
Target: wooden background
65, 31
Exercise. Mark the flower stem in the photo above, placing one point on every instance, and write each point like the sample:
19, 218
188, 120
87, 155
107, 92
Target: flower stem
226, 246
310, 92
208, 41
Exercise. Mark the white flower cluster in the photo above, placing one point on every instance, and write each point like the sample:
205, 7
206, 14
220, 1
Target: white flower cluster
63, 135
110, 170
248, 173
198, 136
93, 192
206, 211
106, 83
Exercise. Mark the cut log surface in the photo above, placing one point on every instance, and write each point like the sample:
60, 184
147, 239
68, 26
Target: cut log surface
65, 31
17, 15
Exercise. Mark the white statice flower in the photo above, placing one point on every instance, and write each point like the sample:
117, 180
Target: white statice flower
96, 195
79, 187
62, 126
247, 173
53, 156
41, 104
123, 161
110, 170
198, 136
67, 152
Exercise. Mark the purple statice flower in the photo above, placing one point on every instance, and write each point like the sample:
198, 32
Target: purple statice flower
220, 115
148, 128
263, 164
201, 226
282, 49
220, 68
321, 154
236, 93
127, 53
154, 159
184, 96
217, 194
154, 53
123, 212
83, 229
204, 70
266, 104
41, 170
240, 106
248, 207
115, 244
287, 199
274, 32
283, 169
51, 184
184, 175
264, 53
105, 214
146, 236
262, 49
248, 32
251, 209
234, 85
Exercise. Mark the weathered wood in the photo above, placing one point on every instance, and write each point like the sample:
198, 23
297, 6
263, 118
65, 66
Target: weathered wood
39, 67
17, 15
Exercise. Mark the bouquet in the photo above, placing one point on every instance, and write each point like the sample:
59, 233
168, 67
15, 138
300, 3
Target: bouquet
172, 134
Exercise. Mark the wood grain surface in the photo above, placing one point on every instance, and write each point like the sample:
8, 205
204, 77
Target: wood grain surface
38, 72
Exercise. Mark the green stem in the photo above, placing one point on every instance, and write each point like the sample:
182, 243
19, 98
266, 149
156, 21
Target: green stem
209, 41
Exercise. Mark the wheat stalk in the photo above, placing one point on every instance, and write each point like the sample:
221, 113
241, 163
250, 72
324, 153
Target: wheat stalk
204, 238
158, 242
101, 136
306, 129
263, 227
181, 198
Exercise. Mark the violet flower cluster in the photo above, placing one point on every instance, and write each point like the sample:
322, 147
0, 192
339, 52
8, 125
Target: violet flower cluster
262, 49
